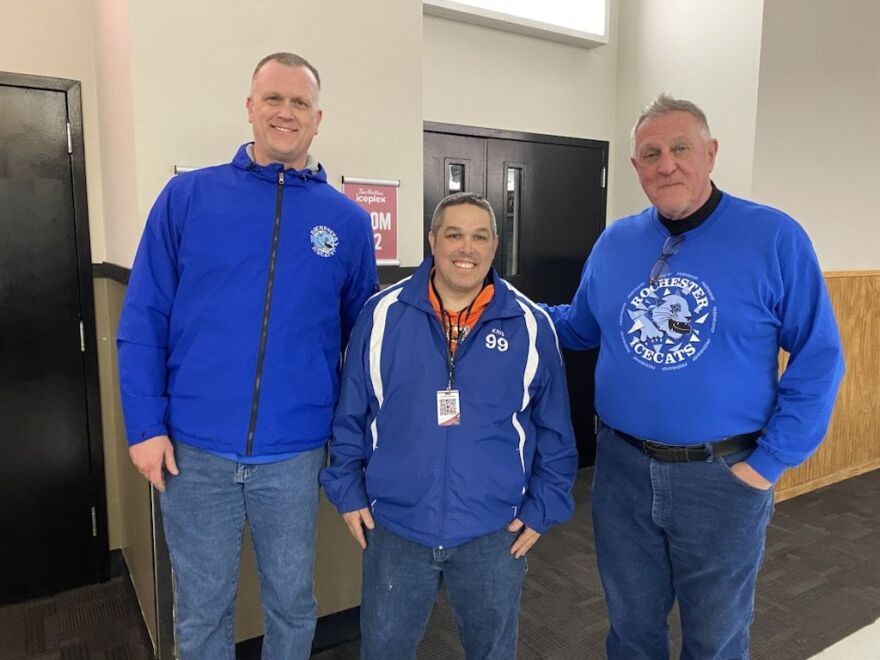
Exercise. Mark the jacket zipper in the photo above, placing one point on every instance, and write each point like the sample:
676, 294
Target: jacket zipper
267, 305
446, 444
437, 324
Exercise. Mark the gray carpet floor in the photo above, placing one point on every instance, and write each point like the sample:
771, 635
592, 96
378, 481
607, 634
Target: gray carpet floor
820, 583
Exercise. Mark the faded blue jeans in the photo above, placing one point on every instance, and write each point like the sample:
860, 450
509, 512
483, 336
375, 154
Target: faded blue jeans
402, 579
203, 510
691, 531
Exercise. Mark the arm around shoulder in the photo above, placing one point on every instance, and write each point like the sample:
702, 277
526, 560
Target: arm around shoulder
575, 324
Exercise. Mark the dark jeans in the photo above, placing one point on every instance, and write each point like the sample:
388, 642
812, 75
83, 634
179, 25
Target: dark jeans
691, 531
401, 581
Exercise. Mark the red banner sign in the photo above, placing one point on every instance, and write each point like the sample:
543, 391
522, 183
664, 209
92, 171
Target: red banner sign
379, 199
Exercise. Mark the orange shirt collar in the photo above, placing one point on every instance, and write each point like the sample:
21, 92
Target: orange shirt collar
461, 319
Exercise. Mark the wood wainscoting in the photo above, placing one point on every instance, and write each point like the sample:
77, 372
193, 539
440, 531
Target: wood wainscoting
852, 445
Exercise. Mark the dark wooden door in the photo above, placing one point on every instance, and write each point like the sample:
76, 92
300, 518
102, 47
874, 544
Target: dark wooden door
549, 198
50, 515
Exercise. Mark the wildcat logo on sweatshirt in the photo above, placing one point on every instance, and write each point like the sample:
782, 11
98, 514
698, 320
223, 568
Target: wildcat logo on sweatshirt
669, 324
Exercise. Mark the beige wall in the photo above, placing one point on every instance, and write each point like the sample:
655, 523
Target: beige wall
707, 51
190, 72
818, 134
54, 38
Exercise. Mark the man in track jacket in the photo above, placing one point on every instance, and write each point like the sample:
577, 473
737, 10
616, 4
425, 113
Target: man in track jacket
246, 284
452, 442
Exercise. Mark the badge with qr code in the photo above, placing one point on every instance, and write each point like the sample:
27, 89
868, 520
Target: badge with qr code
448, 408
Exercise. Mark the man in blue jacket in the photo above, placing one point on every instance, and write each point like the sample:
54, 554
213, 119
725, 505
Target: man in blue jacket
452, 443
246, 284
689, 302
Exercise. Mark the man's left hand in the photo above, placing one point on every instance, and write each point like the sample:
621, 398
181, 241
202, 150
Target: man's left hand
745, 472
526, 539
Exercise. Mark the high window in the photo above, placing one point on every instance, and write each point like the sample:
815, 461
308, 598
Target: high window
582, 23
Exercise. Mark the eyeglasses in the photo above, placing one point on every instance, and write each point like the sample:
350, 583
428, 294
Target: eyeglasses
660, 268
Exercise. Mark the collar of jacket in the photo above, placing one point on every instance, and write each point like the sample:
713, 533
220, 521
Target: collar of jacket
243, 161
415, 293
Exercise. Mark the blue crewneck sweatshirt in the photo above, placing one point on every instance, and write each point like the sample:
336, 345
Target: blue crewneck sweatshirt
694, 358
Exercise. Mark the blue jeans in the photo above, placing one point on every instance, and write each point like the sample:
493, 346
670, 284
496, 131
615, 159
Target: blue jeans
203, 510
401, 581
691, 531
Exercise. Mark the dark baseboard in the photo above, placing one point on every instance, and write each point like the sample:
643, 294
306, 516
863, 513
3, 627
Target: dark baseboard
336, 629
387, 274
119, 569
332, 630
110, 271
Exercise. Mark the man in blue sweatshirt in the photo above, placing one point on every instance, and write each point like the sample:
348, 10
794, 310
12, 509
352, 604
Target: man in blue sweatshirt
689, 302
246, 284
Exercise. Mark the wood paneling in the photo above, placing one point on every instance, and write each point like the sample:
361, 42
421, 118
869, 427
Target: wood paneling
852, 445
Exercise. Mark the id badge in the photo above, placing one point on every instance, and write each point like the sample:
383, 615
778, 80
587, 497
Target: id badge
448, 408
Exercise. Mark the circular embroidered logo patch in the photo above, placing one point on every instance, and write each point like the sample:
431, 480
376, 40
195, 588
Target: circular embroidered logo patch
324, 241
670, 324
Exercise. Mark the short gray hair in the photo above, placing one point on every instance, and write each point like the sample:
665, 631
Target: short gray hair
663, 104
288, 59
457, 199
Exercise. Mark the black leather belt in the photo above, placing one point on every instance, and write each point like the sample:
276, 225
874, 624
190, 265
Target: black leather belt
687, 453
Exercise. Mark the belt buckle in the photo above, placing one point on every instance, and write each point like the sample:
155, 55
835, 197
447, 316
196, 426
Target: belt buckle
680, 453
659, 451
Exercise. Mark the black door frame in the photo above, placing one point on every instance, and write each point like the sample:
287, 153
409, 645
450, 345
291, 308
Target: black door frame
73, 95
502, 134
519, 136
389, 274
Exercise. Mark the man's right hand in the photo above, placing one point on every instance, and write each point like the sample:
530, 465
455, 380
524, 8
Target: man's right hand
150, 456
356, 520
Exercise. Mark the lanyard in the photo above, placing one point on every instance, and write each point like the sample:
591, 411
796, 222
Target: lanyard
453, 342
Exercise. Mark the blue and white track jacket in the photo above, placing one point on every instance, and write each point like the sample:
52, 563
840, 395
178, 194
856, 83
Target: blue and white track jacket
512, 456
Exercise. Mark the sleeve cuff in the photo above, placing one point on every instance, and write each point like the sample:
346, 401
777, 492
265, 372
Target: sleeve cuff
532, 518
764, 463
136, 436
347, 493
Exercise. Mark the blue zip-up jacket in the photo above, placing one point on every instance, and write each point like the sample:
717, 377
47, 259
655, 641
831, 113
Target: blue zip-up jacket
244, 289
513, 454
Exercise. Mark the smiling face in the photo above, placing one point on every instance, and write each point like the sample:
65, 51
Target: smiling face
463, 247
283, 108
674, 159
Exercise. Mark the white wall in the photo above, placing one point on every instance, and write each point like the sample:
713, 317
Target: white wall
478, 76
117, 166
191, 64
818, 133
707, 52
54, 38
164, 83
